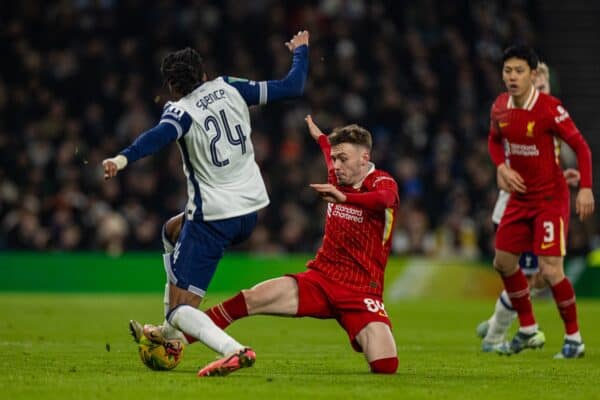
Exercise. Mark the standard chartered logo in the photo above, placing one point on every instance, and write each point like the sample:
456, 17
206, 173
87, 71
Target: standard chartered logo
527, 150
347, 213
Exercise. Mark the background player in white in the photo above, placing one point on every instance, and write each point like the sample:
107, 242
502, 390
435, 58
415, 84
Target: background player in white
493, 330
210, 122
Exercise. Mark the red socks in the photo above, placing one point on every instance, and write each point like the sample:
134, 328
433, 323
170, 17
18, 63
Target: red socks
384, 365
225, 313
564, 296
518, 292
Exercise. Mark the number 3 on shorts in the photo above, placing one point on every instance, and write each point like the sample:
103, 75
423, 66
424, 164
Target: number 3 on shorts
375, 306
549, 228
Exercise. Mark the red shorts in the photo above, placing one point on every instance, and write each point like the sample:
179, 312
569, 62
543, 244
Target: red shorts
542, 230
318, 297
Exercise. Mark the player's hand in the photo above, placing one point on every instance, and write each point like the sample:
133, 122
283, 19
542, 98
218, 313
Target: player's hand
572, 176
110, 169
313, 129
584, 204
502, 184
514, 181
329, 192
113, 165
299, 39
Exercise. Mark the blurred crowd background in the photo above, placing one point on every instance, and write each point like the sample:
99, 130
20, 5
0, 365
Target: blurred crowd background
79, 80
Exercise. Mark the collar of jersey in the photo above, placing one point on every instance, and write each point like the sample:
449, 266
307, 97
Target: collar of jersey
531, 100
371, 169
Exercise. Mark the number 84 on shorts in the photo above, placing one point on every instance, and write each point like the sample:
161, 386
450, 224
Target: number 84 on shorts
375, 306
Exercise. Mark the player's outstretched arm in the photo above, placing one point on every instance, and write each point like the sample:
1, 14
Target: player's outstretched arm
292, 85
313, 129
323, 141
171, 127
377, 200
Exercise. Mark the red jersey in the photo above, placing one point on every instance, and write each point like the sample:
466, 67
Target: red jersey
358, 233
529, 138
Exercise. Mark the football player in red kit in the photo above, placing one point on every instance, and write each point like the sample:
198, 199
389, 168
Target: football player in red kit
345, 279
526, 129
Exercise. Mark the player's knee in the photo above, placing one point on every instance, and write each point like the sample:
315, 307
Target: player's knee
551, 274
384, 365
503, 267
497, 265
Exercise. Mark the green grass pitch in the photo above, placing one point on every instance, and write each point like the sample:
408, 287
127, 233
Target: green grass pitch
77, 347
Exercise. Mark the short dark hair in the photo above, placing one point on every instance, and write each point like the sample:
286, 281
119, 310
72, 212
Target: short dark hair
354, 134
183, 70
522, 52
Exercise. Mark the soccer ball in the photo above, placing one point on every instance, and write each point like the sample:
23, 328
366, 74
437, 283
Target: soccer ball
155, 356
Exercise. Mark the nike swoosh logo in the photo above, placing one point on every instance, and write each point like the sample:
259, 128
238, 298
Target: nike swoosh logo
547, 245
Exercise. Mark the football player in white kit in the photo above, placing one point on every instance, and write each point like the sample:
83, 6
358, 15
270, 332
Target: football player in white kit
211, 123
493, 330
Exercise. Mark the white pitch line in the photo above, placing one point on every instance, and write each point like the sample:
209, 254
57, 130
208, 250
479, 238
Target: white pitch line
412, 281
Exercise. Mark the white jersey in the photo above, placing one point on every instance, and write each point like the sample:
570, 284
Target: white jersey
223, 179
500, 206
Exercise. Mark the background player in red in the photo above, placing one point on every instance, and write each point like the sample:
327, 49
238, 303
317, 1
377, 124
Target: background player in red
526, 128
493, 330
345, 279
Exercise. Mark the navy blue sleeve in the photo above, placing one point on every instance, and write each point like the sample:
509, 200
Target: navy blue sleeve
174, 123
268, 91
250, 90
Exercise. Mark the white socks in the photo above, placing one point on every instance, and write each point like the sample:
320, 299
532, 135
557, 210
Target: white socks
197, 324
501, 320
574, 336
169, 332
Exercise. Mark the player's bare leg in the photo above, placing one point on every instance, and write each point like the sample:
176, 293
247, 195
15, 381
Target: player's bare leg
379, 347
278, 296
506, 263
552, 271
515, 284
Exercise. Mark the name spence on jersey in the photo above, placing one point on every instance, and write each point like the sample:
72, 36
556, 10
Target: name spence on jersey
211, 98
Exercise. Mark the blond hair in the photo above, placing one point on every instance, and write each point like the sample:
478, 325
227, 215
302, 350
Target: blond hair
542, 69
